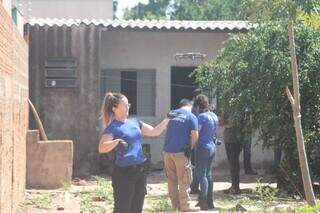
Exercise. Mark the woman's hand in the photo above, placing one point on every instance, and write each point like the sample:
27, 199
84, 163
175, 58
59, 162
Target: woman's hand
107, 143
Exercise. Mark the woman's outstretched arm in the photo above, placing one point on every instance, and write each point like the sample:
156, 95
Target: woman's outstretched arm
148, 130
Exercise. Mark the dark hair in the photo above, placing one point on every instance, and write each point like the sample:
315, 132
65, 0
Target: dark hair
110, 100
202, 102
185, 102
196, 92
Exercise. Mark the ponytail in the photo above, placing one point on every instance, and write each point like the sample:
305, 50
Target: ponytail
110, 100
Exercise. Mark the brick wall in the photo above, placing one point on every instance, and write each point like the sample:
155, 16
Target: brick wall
13, 113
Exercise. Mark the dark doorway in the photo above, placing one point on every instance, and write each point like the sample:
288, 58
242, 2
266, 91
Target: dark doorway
182, 86
129, 89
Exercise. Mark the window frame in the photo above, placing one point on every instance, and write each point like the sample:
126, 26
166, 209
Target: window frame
103, 74
60, 76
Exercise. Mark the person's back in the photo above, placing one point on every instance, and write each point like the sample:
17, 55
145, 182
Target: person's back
179, 130
182, 130
208, 122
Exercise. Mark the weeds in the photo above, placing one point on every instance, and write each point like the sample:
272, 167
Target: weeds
266, 193
308, 209
161, 204
66, 186
103, 192
42, 201
87, 206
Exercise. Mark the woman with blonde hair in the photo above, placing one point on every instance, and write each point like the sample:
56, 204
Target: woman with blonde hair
124, 135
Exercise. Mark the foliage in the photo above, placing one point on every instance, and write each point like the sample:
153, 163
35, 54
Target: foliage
115, 8
191, 10
104, 189
86, 204
155, 9
210, 10
266, 193
66, 185
161, 204
42, 201
308, 209
276, 10
103, 192
252, 70
307, 11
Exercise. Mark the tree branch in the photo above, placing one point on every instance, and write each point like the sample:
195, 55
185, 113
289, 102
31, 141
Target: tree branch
290, 96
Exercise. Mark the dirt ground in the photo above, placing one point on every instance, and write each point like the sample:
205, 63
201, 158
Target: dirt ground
69, 200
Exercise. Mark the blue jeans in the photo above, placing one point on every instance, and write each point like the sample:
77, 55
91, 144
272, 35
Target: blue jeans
204, 160
195, 183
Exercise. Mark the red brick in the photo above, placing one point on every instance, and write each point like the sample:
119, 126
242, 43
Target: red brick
13, 113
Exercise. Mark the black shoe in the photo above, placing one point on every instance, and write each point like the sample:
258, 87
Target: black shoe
251, 172
203, 204
210, 203
232, 190
194, 191
198, 203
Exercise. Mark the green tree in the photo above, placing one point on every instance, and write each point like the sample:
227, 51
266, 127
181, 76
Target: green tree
210, 10
191, 10
253, 69
115, 8
289, 10
155, 9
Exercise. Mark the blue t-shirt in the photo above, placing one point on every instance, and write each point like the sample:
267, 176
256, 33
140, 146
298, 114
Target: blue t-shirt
129, 131
208, 122
179, 131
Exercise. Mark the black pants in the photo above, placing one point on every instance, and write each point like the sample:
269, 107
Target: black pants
129, 189
247, 156
233, 152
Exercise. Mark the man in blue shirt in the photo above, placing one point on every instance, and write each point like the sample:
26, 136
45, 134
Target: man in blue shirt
180, 130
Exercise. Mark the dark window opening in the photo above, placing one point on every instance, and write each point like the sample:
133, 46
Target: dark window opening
129, 89
138, 85
182, 86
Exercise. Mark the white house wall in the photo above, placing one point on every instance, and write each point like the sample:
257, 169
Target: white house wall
149, 50
67, 9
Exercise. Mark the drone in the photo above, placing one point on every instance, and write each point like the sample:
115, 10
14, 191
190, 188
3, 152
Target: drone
191, 55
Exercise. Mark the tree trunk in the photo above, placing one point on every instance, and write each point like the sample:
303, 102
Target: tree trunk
295, 103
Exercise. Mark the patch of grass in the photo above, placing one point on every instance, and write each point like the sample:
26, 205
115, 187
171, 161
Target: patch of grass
308, 209
42, 201
86, 204
104, 190
66, 186
160, 204
266, 193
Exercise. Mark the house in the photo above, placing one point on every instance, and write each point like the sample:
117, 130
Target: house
74, 62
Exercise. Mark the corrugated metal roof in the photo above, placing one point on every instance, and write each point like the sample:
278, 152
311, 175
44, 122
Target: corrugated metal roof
146, 24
